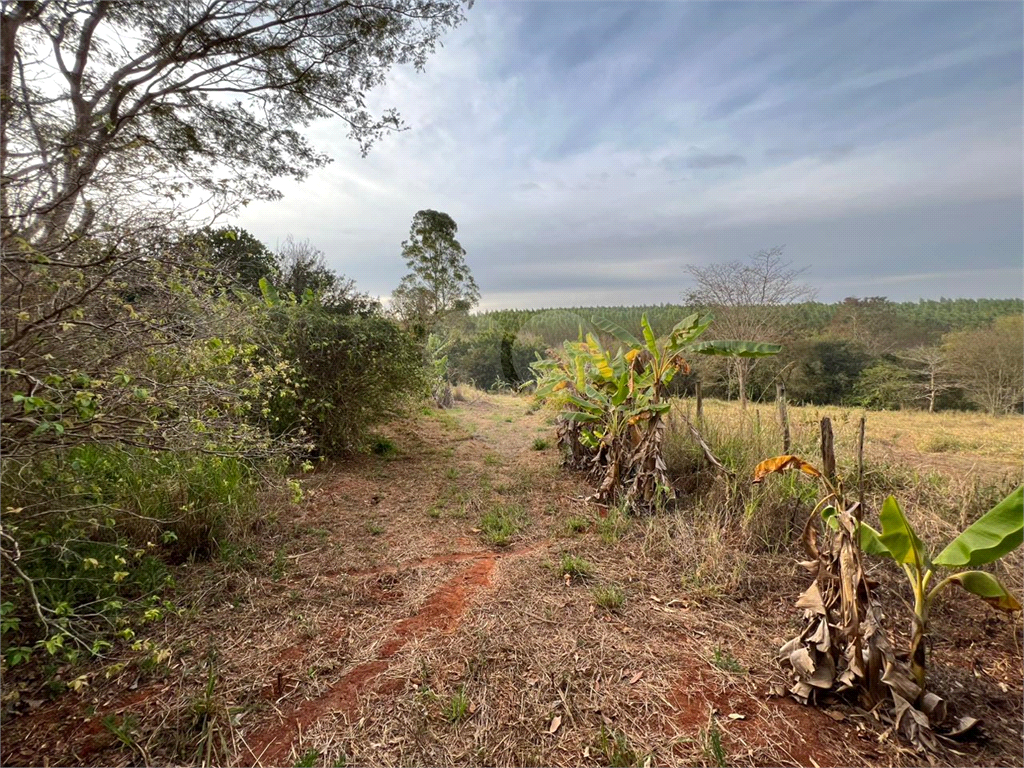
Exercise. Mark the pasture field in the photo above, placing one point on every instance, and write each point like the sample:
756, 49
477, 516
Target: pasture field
454, 599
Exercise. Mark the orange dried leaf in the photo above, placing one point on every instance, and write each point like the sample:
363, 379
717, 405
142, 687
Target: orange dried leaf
781, 464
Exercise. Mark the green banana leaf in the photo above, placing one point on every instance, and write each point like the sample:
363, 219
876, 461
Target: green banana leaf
899, 538
869, 537
617, 331
649, 337
994, 534
581, 416
736, 348
988, 588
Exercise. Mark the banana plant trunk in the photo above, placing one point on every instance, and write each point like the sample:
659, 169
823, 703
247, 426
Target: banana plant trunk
917, 640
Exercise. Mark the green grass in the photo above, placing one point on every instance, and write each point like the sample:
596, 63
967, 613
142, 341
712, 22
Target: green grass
575, 567
278, 568
616, 750
374, 529
611, 527
610, 597
502, 522
492, 460
726, 662
541, 444
383, 446
577, 524
308, 759
457, 708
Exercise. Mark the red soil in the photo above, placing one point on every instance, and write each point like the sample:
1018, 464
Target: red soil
440, 611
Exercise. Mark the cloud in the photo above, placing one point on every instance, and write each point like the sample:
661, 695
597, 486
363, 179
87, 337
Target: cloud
714, 161
593, 154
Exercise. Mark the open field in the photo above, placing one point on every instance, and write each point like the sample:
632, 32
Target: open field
459, 603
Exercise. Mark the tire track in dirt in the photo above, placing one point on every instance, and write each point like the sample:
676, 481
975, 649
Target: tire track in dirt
272, 744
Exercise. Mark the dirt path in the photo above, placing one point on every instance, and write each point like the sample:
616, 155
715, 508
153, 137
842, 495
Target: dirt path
391, 619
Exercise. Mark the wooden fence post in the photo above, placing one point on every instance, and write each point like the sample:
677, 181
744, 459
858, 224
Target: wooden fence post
828, 449
860, 465
780, 396
700, 404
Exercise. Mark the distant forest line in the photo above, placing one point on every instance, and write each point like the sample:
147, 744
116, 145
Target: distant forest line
934, 354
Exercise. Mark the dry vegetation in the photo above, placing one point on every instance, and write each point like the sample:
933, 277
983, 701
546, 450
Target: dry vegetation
454, 601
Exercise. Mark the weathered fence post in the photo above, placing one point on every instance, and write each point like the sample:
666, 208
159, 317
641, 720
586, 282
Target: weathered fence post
780, 396
860, 466
828, 449
700, 403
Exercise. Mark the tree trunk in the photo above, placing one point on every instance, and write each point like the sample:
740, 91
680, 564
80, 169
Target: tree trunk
931, 392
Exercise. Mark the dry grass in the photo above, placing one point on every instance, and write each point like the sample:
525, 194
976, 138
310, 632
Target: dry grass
424, 644
993, 443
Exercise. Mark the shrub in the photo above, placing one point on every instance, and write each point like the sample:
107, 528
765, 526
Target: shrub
98, 527
352, 372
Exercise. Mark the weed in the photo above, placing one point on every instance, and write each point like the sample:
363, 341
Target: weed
308, 759
502, 522
125, 730
610, 597
457, 708
577, 524
452, 473
277, 569
575, 567
434, 513
541, 444
712, 738
383, 446
374, 529
942, 443
726, 662
611, 527
492, 460
617, 751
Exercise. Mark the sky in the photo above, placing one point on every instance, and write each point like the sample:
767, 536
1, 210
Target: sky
591, 151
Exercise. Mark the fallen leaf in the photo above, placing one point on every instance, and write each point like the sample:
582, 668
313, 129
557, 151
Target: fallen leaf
655, 598
635, 678
837, 716
737, 716
556, 723
586, 751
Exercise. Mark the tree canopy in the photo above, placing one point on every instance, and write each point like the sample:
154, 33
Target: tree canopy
440, 281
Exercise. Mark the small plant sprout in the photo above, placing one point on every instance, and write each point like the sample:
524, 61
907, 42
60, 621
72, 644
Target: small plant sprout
457, 708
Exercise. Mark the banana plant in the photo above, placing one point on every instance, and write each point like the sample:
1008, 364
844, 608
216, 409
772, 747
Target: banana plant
992, 536
614, 401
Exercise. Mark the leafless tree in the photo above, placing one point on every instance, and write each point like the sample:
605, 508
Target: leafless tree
933, 369
747, 299
988, 363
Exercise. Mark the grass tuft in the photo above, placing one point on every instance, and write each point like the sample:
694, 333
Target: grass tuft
575, 567
610, 597
503, 522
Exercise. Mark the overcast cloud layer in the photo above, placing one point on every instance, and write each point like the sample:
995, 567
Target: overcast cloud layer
589, 151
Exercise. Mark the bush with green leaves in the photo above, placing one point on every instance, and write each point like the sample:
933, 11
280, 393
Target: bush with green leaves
342, 374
